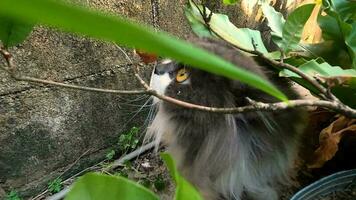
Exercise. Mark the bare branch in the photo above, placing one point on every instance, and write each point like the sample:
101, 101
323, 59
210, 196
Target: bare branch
333, 105
11, 69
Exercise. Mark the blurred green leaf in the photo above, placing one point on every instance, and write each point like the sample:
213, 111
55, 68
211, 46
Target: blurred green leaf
95, 186
13, 32
220, 25
125, 32
184, 190
293, 27
275, 22
229, 2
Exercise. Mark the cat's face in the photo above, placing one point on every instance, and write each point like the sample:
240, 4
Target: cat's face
168, 72
191, 85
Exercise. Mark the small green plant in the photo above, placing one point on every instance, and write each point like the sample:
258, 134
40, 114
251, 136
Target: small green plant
13, 195
124, 172
159, 183
110, 155
129, 141
55, 186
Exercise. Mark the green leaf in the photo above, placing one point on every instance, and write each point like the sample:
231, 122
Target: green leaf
230, 2
55, 185
221, 26
126, 32
330, 28
194, 18
13, 32
342, 82
350, 40
345, 8
275, 22
333, 52
98, 186
293, 27
184, 190
335, 28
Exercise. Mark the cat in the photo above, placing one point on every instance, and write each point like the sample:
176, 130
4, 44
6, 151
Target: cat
225, 155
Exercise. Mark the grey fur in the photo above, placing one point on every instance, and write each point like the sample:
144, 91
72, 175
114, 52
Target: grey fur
224, 155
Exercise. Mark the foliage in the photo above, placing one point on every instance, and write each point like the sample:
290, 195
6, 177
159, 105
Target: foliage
220, 24
13, 195
286, 34
55, 185
125, 32
129, 141
293, 27
110, 155
95, 186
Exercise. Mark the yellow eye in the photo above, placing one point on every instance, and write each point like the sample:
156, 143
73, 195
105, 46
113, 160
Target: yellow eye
182, 75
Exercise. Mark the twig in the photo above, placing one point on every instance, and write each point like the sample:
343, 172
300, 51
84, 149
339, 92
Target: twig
116, 163
11, 69
333, 105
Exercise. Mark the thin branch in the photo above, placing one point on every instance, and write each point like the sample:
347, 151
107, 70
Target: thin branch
255, 106
12, 70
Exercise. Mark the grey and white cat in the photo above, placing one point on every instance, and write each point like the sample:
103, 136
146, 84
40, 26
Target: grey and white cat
225, 155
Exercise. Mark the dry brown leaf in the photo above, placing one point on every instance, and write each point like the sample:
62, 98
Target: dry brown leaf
146, 57
335, 80
311, 31
329, 140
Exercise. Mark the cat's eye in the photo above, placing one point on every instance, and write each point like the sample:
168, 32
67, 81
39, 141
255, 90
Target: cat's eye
182, 75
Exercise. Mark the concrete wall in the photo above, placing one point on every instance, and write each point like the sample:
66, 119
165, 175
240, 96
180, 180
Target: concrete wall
43, 130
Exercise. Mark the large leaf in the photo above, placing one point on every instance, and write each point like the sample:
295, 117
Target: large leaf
345, 8
335, 26
13, 32
293, 27
341, 81
125, 32
98, 186
184, 190
222, 27
333, 52
275, 22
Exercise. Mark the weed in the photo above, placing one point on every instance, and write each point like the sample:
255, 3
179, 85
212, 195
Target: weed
110, 155
13, 195
129, 141
55, 185
159, 183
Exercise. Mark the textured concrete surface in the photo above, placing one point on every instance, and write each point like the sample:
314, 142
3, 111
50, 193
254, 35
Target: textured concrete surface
43, 130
